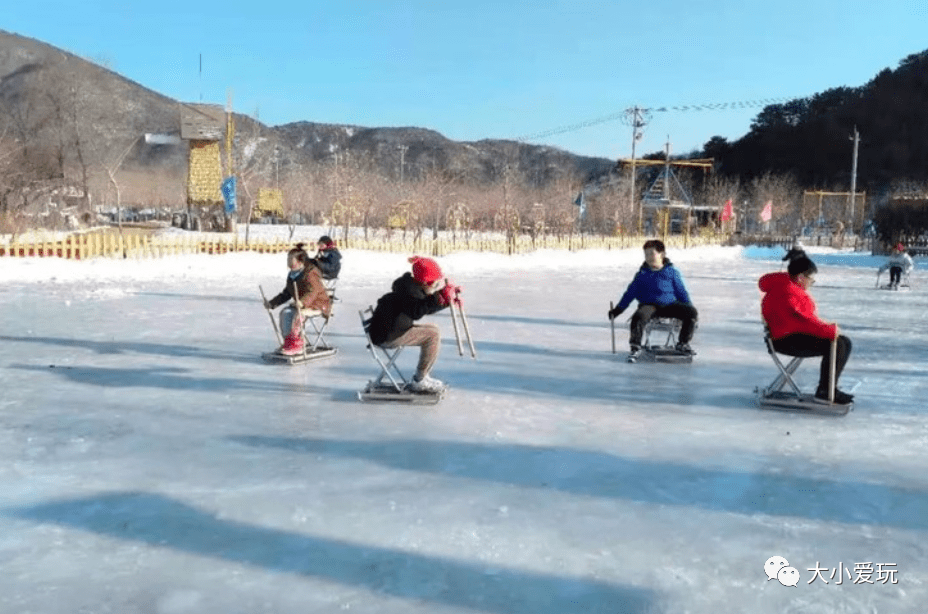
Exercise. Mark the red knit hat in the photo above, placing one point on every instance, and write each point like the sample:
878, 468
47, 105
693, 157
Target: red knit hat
425, 270
900, 247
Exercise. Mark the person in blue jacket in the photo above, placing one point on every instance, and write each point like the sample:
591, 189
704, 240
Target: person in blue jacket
658, 287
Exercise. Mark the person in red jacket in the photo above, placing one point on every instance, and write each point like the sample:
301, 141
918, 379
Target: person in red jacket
795, 328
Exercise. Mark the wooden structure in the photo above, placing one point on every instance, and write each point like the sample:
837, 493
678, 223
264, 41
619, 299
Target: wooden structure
270, 204
201, 125
841, 207
666, 195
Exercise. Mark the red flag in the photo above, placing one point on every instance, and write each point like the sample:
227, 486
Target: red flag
727, 211
767, 212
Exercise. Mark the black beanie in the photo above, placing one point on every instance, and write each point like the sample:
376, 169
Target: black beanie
798, 266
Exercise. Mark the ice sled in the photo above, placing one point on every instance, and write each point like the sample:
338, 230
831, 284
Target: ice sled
314, 324
904, 282
666, 351
307, 355
390, 385
784, 395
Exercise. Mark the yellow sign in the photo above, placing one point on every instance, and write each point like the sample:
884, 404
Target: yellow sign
270, 202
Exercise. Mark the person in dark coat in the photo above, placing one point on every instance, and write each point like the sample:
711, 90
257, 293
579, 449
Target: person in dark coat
659, 289
796, 251
414, 295
328, 258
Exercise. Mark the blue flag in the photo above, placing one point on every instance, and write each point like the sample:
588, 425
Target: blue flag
228, 193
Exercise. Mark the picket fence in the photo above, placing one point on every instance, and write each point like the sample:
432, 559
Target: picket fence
112, 244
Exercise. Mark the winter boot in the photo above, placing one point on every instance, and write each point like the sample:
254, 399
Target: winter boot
634, 354
841, 398
293, 344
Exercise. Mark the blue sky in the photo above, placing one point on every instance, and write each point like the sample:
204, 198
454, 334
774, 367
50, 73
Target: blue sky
490, 68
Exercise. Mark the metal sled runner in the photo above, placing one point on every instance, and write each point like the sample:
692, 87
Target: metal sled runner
666, 352
776, 397
390, 385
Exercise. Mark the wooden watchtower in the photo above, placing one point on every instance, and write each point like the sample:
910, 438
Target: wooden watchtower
201, 125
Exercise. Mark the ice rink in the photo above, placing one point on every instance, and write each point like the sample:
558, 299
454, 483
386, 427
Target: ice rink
150, 462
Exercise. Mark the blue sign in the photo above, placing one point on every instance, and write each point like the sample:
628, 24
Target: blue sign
228, 193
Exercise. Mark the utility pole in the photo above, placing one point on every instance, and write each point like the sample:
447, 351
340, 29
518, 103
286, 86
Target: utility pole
856, 139
402, 149
277, 167
335, 157
635, 117
667, 170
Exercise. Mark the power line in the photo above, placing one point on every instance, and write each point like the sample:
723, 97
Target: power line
710, 106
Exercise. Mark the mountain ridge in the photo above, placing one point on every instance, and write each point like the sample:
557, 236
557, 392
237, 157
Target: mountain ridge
116, 110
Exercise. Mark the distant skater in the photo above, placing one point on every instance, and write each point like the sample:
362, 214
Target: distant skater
796, 251
328, 258
899, 264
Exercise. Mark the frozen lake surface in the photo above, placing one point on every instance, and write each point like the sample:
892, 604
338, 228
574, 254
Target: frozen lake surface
151, 463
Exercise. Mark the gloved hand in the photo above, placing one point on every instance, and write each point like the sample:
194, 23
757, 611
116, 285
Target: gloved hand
267, 304
449, 293
615, 312
435, 287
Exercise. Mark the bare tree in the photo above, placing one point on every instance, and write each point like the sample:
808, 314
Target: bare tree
785, 196
10, 178
112, 168
718, 190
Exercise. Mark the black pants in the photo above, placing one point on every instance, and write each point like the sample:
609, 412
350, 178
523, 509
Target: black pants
808, 346
895, 274
687, 314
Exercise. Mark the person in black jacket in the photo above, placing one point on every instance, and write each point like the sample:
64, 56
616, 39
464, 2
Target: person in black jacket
796, 251
328, 258
414, 295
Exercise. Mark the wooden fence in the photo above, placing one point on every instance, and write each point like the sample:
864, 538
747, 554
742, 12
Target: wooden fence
112, 244
838, 241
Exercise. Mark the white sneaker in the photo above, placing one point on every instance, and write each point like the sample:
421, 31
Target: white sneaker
427, 384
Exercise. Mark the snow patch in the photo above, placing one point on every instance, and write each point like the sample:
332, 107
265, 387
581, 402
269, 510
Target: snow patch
251, 147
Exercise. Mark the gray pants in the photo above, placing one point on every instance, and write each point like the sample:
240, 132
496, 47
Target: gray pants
287, 316
428, 338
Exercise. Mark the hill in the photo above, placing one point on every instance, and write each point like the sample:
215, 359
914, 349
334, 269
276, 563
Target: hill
811, 137
64, 119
